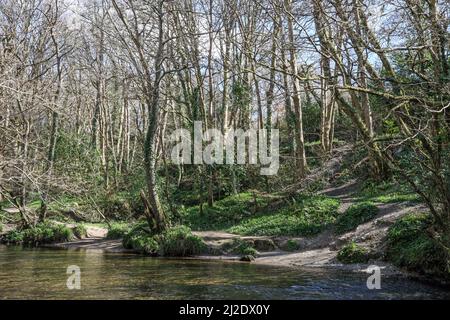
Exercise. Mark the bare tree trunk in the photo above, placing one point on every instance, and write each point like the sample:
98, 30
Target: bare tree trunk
296, 95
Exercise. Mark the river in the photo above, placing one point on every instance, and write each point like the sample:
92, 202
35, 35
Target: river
39, 273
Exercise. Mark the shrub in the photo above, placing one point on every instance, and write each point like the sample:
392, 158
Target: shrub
356, 215
139, 238
410, 246
47, 233
44, 232
13, 236
179, 241
141, 242
117, 230
80, 231
115, 207
176, 241
292, 245
353, 253
242, 247
249, 251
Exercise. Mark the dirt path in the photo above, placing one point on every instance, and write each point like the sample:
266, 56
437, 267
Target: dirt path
318, 251
321, 250
95, 240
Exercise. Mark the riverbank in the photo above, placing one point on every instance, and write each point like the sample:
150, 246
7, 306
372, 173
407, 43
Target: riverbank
316, 252
320, 258
313, 255
320, 250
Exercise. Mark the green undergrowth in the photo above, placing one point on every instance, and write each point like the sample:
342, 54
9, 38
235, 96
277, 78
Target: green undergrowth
306, 215
227, 212
291, 245
386, 192
353, 253
176, 241
118, 206
355, 215
117, 230
80, 231
410, 245
253, 213
42, 233
241, 247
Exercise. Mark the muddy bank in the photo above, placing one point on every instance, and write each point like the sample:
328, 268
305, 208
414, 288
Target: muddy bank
319, 257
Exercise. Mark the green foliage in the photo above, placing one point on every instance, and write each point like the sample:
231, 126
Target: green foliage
115, 206
13, 236
226, 212
241, 93
76, 159
308, 215
179, 242
249, 251
292, 245
44, 232
62, 203
176, 241
348, 170
241, 247
409, 245
80, 231
141, 242
355, 215
140, 238
252, 214
1, 227
391, 127
352, 253
386, 192
185, 197
117, 230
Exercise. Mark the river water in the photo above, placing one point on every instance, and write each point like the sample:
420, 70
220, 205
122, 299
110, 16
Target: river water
38, 273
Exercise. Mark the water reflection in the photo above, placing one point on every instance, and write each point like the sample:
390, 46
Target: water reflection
27, 273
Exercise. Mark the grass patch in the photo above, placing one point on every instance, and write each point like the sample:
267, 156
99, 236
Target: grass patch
353, 253
387, 192
356, 215
45, 232
226, 212
409, 245
117, 230
308, 215
80, 231
177, 241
